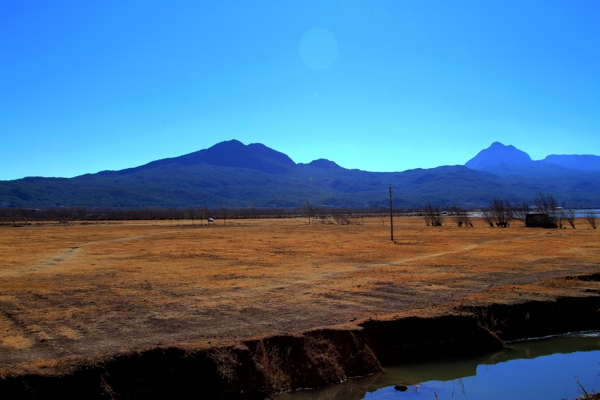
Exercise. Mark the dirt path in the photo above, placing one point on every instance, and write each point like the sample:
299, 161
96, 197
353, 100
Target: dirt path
69, 254
466, 248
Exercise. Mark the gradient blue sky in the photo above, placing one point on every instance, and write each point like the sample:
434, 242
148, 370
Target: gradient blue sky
375, 85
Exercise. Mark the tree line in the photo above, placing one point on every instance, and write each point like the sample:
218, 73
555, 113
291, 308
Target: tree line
201, 215
545, 212
499, 213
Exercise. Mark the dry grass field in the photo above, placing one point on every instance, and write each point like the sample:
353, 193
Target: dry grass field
88, 289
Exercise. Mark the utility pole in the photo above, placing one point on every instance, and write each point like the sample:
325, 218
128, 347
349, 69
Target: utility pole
391, 216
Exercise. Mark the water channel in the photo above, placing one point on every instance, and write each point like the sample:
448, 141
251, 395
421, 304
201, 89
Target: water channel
545, 368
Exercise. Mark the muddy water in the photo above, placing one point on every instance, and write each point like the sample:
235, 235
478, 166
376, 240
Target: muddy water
547, 368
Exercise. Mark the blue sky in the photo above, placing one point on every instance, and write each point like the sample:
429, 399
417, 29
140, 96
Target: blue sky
375, 85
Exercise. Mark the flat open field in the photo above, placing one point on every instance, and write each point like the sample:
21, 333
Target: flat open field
86, 289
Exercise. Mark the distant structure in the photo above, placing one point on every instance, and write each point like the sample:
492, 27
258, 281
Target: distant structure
540, 221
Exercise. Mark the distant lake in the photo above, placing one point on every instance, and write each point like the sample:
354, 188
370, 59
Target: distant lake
578, 213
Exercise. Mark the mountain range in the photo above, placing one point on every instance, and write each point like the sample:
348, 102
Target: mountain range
237, 175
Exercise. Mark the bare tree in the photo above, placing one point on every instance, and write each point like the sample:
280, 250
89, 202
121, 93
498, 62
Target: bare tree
499, 213
460, 216
323, 215
341, 217
433, 216
488, 217
191, 211
346, 217
520, 211
547, 205
591, 218
204, 213
503, 213
384, 215
308, 211
355, 218
224, 213
467, 219
569, 215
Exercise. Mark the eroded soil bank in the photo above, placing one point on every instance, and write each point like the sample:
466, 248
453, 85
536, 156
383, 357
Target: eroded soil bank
257, 369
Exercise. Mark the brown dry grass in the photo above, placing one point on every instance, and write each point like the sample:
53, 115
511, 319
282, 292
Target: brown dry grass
95, 289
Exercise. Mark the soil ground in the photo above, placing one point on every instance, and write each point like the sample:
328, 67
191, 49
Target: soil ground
85, 289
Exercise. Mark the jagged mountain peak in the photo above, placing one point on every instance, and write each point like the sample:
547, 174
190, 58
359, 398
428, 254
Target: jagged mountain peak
496, 154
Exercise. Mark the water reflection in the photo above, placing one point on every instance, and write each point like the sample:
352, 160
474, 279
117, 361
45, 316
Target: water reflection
545, 368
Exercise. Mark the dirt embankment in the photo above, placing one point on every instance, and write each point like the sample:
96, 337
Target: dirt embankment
259, 368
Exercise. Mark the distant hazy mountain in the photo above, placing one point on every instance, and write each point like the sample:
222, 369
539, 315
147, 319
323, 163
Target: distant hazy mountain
237, 175
496, 154
579, 162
